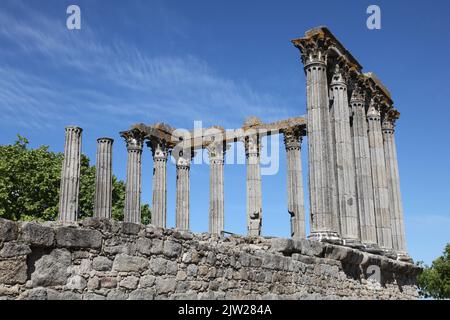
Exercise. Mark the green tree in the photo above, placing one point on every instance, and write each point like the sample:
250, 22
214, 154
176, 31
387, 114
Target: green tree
30, 180
434, 281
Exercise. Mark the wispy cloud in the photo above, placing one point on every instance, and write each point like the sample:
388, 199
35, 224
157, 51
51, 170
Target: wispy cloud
76, 76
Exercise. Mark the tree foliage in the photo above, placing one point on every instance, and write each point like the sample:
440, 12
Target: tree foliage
30, 181
434, 281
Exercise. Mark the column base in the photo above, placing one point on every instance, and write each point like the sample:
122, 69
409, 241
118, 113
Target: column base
325, 236
391, 254
353, 243
404, 257
372, 248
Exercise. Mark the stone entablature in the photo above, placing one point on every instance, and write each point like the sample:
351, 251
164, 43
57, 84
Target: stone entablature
105, 259
164, 141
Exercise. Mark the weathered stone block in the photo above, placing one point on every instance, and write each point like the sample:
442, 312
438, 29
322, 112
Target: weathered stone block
147, 281
51, 269
143, 294
34, 294
172, 249
309, 247
78, 238
183, 235
117, 294
8, 230
126, 263
37, 235
76, 283
129, 283
13, 271
165, 285
92, 222
130, 228
282, 245
14, 249
158, 265
93, 296
102, 264
108, 282
157, 246
144, 246
93, 283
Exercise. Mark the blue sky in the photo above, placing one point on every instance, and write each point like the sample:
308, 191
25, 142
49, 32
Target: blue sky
219, 62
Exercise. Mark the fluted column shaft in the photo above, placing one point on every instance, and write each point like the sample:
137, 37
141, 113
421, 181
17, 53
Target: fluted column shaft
70, 175
133, 188
160, 153
379, 178
103, 179
322, 190
363, 169
296, 206
183, 192
345, 164
254, 193
395, 198
216, 191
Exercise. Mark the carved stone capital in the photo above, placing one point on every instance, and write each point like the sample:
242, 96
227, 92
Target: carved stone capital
183, 157
338, 78
373, 114
252, 145
160, 149
216, 151
314, 50
358, 97
293, 138
389, 120
134, 139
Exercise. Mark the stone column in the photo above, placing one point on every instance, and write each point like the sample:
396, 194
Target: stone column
254, 194
160, 151
395, 198
133, 189
296, 208
70, 175
322, 178
379, 178
103, 179
363, 169
216, 153
345, 164
183, 190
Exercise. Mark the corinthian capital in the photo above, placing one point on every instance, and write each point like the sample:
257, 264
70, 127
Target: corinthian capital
252, 145
134, 139
313, 49
216, 151
357, 96
338, 76
374, 111
160, 149
183, 157
293, 138
389, 120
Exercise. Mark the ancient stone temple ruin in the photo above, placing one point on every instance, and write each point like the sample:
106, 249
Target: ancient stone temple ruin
356, 212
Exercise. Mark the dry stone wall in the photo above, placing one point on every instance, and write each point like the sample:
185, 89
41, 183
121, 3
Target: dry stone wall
105, 259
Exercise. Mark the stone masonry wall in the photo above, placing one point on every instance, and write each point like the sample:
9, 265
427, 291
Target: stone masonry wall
104, 259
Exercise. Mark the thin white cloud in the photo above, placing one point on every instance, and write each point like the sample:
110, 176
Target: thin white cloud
90, 77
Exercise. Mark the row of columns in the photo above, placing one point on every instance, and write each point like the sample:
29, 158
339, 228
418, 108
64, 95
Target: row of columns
353, 171
132, 208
